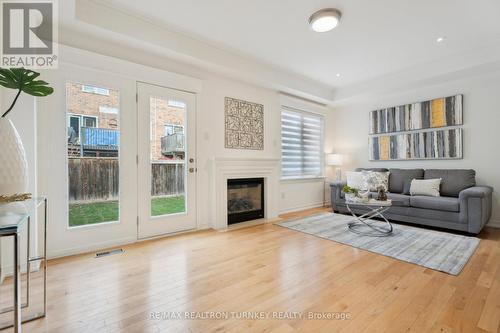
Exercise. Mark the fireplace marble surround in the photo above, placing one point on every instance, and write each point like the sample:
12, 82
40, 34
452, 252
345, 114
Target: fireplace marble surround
223, 169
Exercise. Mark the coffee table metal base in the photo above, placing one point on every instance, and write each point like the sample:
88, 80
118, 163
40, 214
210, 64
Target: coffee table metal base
370, 229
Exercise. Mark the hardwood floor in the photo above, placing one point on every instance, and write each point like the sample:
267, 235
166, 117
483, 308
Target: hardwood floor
264, 269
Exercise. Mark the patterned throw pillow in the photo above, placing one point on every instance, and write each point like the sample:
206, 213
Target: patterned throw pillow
375, 180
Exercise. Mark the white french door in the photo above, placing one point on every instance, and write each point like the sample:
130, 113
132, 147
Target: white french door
90, 133
166, 160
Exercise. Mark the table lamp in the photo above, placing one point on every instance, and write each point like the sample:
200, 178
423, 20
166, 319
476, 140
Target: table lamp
332, 160
335, 160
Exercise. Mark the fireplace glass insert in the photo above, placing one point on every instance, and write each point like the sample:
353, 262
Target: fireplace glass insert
245, 199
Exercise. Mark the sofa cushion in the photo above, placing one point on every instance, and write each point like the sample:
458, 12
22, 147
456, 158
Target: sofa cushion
398, 177
452, 180
399, 199
407, 187
436, 203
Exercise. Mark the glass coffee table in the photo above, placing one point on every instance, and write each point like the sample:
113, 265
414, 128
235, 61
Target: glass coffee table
363, 225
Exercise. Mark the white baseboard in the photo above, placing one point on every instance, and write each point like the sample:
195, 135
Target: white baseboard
303, 207
494, 224
105, 245
90, 248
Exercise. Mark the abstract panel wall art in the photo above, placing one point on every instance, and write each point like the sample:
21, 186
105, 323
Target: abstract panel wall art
429, 144
244, 124
439, 112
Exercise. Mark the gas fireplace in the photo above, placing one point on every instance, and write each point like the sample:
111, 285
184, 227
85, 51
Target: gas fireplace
245, 199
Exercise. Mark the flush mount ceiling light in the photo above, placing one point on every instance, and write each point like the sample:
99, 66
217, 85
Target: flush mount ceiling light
325, 19
440, 39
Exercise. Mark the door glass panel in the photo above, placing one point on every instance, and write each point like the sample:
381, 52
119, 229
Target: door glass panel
93, 154
167, 156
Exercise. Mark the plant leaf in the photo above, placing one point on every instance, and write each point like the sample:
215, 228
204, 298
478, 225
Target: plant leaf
7, 79
39, 91
18, 74
38, 88
16, 78
29, 76
24, 79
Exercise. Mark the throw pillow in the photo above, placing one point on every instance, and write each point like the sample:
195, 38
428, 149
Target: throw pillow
375, 180
427, 187
407, 186
355, 180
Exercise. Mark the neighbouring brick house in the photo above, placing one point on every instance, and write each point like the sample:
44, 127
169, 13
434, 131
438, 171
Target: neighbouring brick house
100, 103
170, 120
96, 107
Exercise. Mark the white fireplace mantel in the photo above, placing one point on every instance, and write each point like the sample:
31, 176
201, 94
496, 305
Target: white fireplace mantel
223, 169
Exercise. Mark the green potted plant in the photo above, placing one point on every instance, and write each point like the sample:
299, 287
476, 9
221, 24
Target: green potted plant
350, 192
14, 170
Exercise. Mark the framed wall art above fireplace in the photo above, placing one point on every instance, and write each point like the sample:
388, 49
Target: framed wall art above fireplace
244, 124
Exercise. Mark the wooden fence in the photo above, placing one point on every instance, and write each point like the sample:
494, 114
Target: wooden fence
167, 179
97, 179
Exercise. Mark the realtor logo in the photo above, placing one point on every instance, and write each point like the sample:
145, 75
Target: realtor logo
29, 31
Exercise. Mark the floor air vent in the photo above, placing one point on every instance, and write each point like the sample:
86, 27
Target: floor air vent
108, 253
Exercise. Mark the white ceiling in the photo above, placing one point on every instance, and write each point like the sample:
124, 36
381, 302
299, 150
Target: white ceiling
375, 38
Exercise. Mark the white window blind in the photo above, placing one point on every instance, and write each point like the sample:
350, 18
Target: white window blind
301, 144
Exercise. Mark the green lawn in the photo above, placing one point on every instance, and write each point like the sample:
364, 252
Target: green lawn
107, 211
91, 213
171, 205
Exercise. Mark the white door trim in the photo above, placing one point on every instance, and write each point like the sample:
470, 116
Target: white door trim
153, 226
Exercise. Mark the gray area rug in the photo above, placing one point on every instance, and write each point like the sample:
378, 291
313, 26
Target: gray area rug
437, 250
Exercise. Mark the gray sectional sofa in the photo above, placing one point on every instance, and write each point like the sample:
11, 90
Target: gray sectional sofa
462, 205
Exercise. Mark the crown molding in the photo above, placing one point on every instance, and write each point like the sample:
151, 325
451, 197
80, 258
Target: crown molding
477, 63
91, 24
131, 36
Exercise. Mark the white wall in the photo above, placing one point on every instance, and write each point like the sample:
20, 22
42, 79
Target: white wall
299, 194
211, 90
348, 125
215, 88
294, 194
210, 123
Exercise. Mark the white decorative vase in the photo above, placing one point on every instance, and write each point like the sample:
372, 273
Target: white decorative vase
13, 164
351, 197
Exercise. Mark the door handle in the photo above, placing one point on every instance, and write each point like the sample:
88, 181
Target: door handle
191, 170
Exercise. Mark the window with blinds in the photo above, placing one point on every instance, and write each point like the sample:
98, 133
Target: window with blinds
301, 144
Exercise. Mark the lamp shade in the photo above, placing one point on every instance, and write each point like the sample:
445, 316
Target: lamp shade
334, 159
